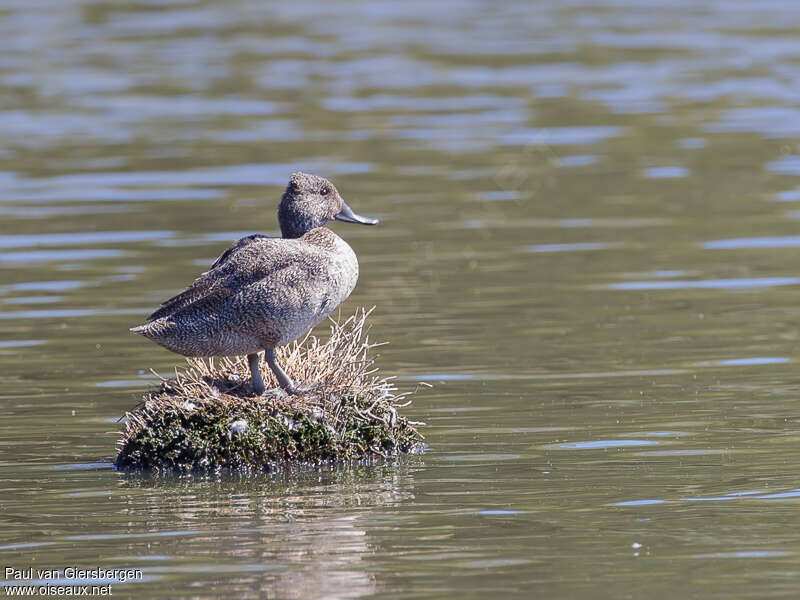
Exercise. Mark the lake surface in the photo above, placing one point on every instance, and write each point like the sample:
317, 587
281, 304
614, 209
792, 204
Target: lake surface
590, 246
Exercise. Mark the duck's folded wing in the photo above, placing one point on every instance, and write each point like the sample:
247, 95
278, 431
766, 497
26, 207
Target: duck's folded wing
234, 267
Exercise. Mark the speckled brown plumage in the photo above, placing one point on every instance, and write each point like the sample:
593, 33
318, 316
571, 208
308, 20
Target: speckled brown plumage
264, 292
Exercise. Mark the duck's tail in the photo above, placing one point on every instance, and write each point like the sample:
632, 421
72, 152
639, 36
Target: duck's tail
152, 330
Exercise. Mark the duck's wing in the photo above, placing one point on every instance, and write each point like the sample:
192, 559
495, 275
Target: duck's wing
225, 274
235, 247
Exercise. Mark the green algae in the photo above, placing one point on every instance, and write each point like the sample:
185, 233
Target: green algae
246, 434
205, 419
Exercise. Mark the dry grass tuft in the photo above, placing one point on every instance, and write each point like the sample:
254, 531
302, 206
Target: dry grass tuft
206, 418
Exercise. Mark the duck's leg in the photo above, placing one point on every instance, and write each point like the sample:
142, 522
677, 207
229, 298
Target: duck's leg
286, 382
255, 373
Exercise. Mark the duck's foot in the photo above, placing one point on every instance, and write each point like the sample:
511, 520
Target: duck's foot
255, 372
288, 385
296, 389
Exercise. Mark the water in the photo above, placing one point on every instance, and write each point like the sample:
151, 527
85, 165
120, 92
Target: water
588, 245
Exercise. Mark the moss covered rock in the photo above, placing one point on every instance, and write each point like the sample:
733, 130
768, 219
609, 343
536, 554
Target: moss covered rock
207, 419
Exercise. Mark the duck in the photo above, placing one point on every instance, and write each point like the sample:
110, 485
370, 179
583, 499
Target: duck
264, 292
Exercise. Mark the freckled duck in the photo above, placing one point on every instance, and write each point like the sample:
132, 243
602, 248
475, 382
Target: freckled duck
264, 292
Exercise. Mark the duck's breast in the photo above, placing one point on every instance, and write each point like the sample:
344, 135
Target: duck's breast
325, 274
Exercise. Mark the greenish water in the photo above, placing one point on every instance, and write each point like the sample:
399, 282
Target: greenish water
589, 245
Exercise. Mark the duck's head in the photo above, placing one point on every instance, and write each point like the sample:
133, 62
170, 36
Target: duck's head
311, 201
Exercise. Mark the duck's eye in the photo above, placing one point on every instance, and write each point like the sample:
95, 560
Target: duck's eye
325, 190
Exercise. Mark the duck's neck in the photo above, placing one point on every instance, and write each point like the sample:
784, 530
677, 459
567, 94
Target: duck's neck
288, 230
295, 224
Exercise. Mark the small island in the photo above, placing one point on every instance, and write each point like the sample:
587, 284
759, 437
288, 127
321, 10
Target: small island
207, 419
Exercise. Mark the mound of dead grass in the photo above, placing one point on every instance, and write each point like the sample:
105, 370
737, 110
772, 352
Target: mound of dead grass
206, 418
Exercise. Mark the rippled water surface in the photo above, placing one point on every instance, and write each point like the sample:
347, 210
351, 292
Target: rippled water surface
590, 245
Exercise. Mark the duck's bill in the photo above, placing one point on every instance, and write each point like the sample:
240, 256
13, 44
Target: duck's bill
348, 216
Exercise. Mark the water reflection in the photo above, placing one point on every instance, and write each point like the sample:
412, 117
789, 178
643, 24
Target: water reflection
757, 242
601, 444
81, 238
577, 247
292, 535
706, 284
31, 256
666, 172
